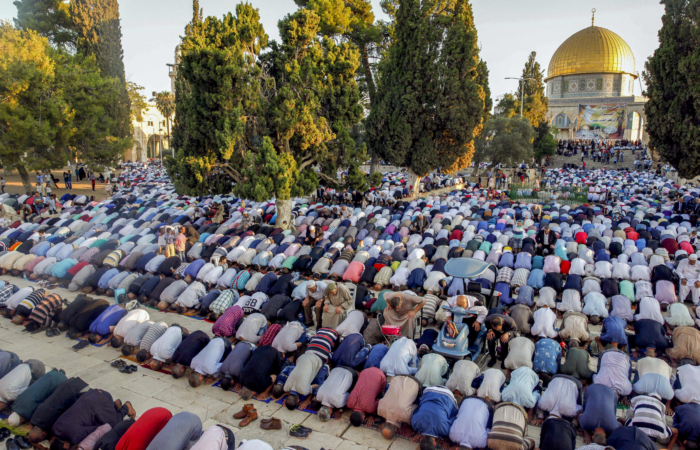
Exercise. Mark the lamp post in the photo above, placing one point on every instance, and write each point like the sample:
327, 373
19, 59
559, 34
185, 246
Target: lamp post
522, 91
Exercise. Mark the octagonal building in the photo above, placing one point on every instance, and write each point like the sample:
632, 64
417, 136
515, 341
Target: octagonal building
590, 87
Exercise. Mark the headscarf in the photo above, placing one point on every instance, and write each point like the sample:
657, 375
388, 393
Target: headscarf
37, 367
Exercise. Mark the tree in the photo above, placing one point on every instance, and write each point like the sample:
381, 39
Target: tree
536, 102
165, 103
671, 76
544, 143
33, 114
429, 104
98, 32
49, 18
353, 21
263, 125
88, 95
504, 140
137, 100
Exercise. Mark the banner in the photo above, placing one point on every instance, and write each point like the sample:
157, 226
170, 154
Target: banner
600, 122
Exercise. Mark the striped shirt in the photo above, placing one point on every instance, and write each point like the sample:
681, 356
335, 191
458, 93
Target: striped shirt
34, 298
323, 343
45, 311
154, 332
649, 415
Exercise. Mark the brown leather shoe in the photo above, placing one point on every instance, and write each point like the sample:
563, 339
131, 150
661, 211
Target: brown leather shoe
252, 415
131, 412
244, 412
273, 424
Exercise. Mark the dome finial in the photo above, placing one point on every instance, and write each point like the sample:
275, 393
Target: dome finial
593, 18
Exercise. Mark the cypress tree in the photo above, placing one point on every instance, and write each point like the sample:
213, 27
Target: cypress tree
98, 32
429, 104
671, 76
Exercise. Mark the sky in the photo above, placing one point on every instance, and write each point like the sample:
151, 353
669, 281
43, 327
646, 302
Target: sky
508, 31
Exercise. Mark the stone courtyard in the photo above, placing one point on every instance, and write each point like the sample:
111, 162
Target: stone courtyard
147, 389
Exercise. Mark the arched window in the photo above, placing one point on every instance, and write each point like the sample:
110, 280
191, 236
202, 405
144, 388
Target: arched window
562, 121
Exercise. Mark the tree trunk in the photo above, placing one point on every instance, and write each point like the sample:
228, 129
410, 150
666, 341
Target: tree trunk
414, 180
369, 79
284, 213
24, 175
374, 164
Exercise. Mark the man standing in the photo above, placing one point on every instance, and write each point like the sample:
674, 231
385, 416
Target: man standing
689, 271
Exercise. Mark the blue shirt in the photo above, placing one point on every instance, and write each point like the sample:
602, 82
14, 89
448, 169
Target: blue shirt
376, 355
109, 318
346, 351
614, 330
547, 356
687, 420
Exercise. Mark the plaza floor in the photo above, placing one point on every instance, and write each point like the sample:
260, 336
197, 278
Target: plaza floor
147, 389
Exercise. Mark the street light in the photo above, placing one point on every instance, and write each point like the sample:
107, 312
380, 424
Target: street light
522, 91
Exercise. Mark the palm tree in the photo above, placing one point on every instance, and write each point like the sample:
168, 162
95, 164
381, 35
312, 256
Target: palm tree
165, 103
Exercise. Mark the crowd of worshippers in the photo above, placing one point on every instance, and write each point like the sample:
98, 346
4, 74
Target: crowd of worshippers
263, 286
71, 415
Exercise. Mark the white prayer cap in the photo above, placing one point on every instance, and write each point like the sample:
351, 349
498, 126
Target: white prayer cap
693, 257
311, 284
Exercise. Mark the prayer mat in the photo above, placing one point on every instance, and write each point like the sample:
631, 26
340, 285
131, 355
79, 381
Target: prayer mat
237, 389
85, 340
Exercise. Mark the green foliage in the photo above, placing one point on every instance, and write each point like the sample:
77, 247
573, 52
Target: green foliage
137, 100
544, 143
536, 104
429, 103
89, 96
505, 140
671, 76
268, 172
483, 81
33, 113
292, 107
49, 18
98, 32
375, 179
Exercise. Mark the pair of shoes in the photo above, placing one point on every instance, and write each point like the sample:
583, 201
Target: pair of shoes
299, 432
128, 369
118, 363
244, 412
17, 443
252, 416
52, 332
271, 424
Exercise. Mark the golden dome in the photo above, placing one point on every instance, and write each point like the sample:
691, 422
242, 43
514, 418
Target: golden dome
592, 50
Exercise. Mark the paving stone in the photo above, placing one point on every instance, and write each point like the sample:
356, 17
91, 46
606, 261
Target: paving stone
402, 444
347, 445
332, 426
177, 396
315, 441
365, 436
146, 386
110, 380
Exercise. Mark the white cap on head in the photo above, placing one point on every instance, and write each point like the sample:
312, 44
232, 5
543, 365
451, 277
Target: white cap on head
693, 257
13, 420
311, 284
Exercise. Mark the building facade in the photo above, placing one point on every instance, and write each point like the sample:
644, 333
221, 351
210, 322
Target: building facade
150, 135
590, 88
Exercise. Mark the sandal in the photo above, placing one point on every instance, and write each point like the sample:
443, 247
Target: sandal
118, 363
